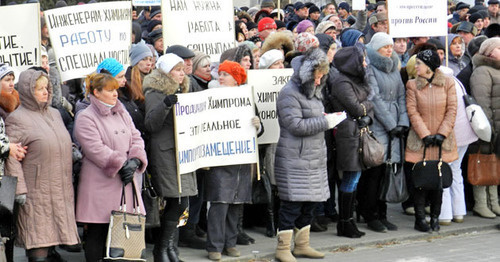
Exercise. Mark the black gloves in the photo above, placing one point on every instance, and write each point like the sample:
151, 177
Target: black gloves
438, 139
429, 140
398, 131
128, 169
170, 100
364, 121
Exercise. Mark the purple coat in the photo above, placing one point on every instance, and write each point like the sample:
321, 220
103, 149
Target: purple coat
108, 138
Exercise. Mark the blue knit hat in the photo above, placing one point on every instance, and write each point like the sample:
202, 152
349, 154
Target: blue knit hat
138, 52
111, 65
350, 37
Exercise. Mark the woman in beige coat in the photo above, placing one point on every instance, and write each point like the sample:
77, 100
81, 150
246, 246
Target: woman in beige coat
47, 218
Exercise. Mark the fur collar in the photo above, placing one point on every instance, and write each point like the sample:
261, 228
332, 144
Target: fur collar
9, 102
164, 83
304, 66
382, 63
278, 40
482, 60
438, 80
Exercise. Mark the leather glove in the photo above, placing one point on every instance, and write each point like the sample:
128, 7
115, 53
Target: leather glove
438, 139
397, 131
428, 140
364, 121
128, 170
170, 100
20, 199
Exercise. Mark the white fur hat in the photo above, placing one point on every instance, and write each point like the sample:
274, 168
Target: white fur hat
270, 57
168, 61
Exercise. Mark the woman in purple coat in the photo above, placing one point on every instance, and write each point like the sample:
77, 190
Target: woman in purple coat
113, 155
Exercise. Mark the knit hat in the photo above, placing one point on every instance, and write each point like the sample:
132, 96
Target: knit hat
267, 4
430, 58
235, 70
475, 16
251, 25
475, 44
349, 37
152, 24
380, 40
303, 25
138, 52
154, 11
325, 42
323, 26
198, 58
344, 6
305, 41
155, 35
182, 51
111, 65
270, 57
266, 23
313, 9
5, 69
168, 61
489, 45
280, 24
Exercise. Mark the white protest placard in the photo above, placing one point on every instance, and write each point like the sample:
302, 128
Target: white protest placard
267, 84
20, 36
358, 4
214, 128
207, 26
84, 35
410, 18
146, 2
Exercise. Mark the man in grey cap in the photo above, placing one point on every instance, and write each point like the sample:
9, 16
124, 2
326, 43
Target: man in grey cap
494, 12
460, 13
378, 23
301, 12
467, 31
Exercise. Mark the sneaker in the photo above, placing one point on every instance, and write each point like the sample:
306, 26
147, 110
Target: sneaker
377, 226
215, 256
458, 219
445, 222
231, 251
390, 226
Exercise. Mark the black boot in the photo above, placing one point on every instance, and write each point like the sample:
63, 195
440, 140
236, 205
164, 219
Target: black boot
188, 237
419, 202
354, 206
346, 225
270, 227
435, 223
165, 249
436, 197
54, 256
242, 238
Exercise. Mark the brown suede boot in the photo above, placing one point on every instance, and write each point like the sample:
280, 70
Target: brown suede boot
283, 251
302, 248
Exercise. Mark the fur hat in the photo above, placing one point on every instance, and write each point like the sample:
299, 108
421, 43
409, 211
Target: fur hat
266, 23
468, 27
430, 58
268, 4
138, 52
379, 40
303, 25
235, 70
350, 36
279, 40
269, 58
493, 30
378, 17
198, 58
489, 45
167, 62
236, 54
111, 65
305, 41
5, 70
280, 24
475, 44
323, 26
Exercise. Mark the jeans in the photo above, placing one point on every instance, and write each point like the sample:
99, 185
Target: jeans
350, 181
295, 214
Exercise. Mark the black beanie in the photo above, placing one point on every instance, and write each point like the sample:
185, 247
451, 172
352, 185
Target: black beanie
430, 58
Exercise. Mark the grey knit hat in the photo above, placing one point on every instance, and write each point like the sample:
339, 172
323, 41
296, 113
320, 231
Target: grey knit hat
379, 40
138, 52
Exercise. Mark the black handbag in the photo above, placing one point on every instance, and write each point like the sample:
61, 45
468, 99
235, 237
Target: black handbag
151, 202
431, 174
8, 186
392, 187
261, 189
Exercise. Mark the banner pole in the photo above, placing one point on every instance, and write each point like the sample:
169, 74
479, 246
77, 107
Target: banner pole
176, 152
256, 143
446, 49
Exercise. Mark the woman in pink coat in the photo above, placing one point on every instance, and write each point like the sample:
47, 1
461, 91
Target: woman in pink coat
113, 155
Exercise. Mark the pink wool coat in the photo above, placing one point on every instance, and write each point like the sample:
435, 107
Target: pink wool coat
108, 138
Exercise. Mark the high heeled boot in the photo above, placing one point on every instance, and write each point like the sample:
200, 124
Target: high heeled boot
419, 204
346, 225
270, 226
165, 249
242, 238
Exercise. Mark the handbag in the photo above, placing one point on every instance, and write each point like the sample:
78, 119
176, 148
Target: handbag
392, 187
261, 189
125, 241
151, 202
8, 186
370, 149
483, 170
477, 118
431, 174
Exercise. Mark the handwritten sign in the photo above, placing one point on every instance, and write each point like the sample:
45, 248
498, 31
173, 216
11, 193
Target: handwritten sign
84, 35
20, 36
146, 2
207, 26
214, 128
410, 18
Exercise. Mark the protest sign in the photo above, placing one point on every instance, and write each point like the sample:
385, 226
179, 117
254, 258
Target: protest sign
410, 18
20, 40
267, 85
214, 128
207, 26
84, 35
146, 2
358, 4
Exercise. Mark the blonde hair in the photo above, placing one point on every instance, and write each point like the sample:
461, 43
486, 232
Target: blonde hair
42, 79
97, 81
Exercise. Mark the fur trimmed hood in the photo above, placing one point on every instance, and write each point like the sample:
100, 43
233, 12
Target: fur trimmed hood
482, 60
304, 67
382, 63
278, 40
164, 83
236, 54
438, 80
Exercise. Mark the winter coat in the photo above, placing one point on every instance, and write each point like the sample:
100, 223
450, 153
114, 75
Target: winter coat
198, 84
4, 147
108, 138
135, 108
389, 101
456, 63
45, 174
300, 159
159, 121
464, 134
432, 109
349, 92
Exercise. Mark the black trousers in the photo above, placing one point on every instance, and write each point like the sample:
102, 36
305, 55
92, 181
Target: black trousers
296, 214
222, 226
370, 207
95, 242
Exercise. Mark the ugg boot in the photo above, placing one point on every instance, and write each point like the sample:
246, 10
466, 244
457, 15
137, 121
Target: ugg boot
283, 251
302, 247
346, 225
493, 197
188, 237
165, 249
419, 202
480, 203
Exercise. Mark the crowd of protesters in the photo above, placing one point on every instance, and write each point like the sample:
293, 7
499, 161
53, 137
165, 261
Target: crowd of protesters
74, 145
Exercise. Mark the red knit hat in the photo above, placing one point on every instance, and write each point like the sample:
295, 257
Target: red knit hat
235, 70
266, 23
